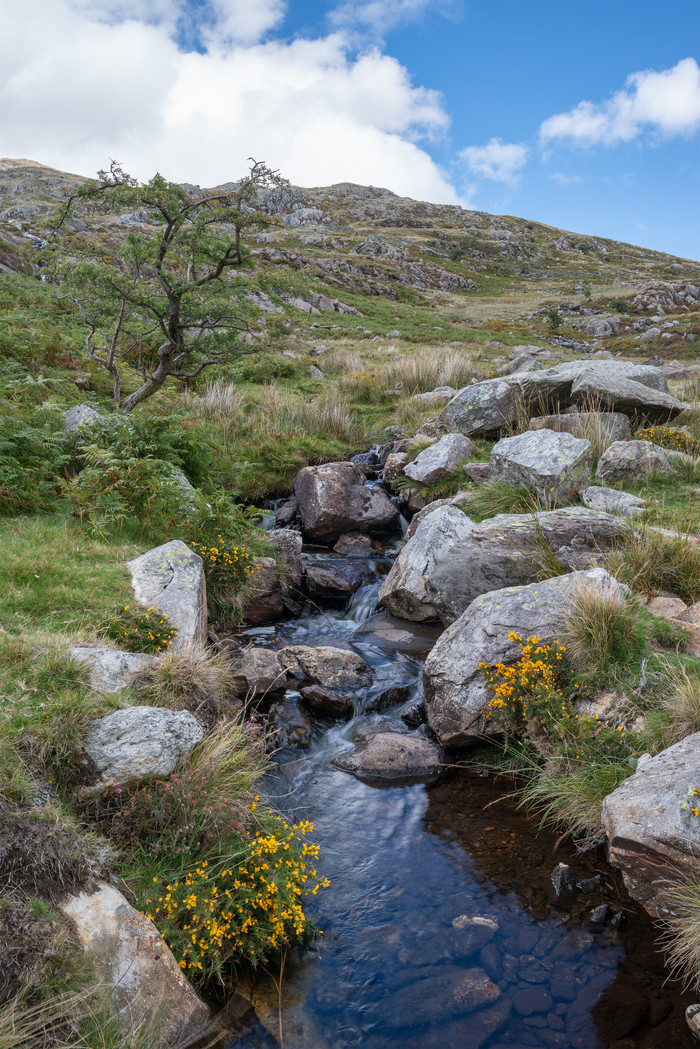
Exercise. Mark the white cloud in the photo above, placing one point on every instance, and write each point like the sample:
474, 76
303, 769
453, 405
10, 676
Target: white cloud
243, 21
567, 180
501, 161
379, 16
76, 91
667, 102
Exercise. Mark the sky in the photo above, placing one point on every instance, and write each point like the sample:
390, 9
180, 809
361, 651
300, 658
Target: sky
583, 115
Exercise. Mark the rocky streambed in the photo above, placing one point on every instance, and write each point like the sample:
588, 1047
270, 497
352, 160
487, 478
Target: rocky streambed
449, 921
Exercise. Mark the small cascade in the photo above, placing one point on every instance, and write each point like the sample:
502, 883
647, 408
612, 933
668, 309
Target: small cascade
363, 603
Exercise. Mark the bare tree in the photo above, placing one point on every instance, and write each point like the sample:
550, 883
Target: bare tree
168, 297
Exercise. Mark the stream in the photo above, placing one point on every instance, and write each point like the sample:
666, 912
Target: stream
441, 927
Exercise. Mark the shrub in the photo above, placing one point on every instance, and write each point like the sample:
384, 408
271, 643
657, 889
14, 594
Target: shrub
138, 629
669, 437
553, 319
227, 567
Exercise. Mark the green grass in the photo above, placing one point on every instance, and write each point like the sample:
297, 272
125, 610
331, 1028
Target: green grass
651, 562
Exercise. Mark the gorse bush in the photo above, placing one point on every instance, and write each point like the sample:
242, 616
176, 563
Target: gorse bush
668, 437
139, 629
227, 567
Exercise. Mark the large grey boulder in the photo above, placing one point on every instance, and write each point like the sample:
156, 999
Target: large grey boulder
110, 669
652, 837
480, 410
136, 742
611, 501
333, 499
405, 590
636, 459
614, 426
171, 579
287, 544
456, 696
335, 668
620, 393
555, 466
132, 958
79, 416
389, 756
511, 549
433, 463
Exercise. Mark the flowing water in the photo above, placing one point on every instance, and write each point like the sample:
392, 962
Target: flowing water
441, 927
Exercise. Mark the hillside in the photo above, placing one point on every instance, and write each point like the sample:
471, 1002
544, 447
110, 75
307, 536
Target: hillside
430, 525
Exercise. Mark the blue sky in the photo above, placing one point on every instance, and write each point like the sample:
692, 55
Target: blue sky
583, 115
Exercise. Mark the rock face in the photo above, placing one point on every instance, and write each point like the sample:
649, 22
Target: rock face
110, 669
136, 742
455, 691
502, 551
262, 600
334, 668
333, 499
405, 591
553, 465
171, 579
392, 757
651, 837
433, 463
147, 981
613, 425
611, 501
632, 459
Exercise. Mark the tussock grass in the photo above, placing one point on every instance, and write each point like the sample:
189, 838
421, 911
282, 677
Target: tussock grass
342, 361
678, 713
603, 633
682, 931
573, 795
193, 678
429, 368
328, 414
221, 400
499, 497
651, 562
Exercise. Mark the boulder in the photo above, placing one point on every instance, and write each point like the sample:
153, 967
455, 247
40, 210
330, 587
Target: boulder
612, 425
555, 466
393, 757
623, 394
507, 550
336, 580
435, 462
110, 669
286, 513
393, 467
333, 500
611, 501
335, 668
287, 544
386, 631
456, 695
635, 459
79, 416
355, 545
261, 601
436, 396
405, 591
478, 473
422, 514
291, 725
134, 960
326, 703
453, 993
171, 579
136, 742
257, 673
481, 410
653, 836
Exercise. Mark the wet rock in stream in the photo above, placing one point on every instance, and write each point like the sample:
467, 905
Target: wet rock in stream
336, 581
393, 757
334, 668
290, 723
326, 703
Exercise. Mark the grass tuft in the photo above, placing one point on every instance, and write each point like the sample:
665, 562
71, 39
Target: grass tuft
194, 679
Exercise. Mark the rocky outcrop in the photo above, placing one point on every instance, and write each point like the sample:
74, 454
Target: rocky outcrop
333, 499
136, 742
132, 957
555, 466
636, 459
393, 757
170, 578
405, 591
334, 668
431, 580
612, 425
261, 601
456, 696
611, 501
435, 462
110, 669
653, 834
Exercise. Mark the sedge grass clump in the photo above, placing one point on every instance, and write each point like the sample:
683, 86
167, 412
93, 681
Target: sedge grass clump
682, 933
604, 634
139, 629
499, 497
678, 713
652, 562
193, 678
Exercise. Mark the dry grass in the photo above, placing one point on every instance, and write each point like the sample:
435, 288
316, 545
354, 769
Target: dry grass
682, 936
330, 413
342, 361
678, 715
603, 632
220, 400
429, 368
194, 679
235, 757
652, 562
